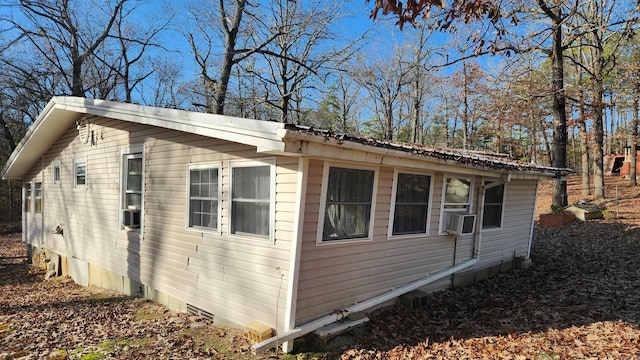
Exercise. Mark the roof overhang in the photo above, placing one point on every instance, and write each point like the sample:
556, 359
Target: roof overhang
312, 143
62, 112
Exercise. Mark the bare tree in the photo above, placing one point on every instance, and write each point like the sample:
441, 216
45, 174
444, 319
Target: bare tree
385, 81
65, 35
601, 27
243, 34
302, 57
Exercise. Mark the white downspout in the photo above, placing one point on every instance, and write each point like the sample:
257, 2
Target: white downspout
343, 313
533, 220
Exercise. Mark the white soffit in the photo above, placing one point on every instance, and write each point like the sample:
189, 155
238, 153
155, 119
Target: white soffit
61, 112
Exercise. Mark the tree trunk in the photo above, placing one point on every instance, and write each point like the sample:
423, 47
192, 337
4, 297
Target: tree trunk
559, 115
7, 134
465, 115
231, 35
389, 124
598, 97
584, 146
634, 140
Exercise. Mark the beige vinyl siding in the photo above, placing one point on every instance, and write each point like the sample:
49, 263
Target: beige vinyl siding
333, 276
235, 279
513, 238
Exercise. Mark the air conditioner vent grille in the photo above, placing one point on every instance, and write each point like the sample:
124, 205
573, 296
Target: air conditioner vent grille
459, 224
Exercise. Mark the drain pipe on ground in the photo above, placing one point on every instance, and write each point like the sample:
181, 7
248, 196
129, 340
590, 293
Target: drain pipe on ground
343, 313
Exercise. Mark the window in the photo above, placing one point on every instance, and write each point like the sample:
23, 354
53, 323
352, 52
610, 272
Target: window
456, 198
457, 195
80, 173
27, 197
348, 203
410, 212
252, 189
56, 172
131, 188
204, 194
37, 190
493, 205
132, 180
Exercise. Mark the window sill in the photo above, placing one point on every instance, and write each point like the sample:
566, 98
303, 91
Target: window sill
204, 230
408, 236
343, 241
252, 238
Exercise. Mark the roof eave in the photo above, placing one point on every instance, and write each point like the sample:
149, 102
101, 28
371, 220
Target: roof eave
61, 112
497, 167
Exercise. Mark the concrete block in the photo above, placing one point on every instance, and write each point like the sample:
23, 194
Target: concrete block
132, 287
259, 332
413, 299
466, 279
64, 266
112, 281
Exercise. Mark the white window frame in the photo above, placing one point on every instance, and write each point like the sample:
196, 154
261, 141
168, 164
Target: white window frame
489, 183
28, 197
443, 207
271, 163
37, 197
77, 162
323, 202
394, 193
204, 166
137, 151
56, 166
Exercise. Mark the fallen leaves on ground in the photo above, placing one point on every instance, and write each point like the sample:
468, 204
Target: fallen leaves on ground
578, 300
57, 319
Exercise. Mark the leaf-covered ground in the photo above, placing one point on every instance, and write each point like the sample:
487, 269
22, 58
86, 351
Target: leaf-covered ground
579, 299
57, 319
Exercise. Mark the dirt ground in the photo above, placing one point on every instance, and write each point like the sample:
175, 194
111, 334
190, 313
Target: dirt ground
578, 300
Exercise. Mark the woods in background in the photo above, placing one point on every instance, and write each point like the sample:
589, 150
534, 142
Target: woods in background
551, 82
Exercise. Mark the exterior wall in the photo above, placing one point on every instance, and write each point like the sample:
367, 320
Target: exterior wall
234, 279
333, 276
512, 240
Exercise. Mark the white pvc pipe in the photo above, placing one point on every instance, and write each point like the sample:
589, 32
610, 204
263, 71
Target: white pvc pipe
343, 313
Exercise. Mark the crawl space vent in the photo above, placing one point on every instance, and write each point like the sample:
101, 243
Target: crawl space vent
197, 311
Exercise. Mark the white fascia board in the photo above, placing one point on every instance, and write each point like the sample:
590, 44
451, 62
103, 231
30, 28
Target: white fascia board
52, 122
61, 112
263, 134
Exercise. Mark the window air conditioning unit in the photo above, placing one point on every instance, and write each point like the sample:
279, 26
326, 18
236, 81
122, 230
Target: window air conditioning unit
459, 224
131, 218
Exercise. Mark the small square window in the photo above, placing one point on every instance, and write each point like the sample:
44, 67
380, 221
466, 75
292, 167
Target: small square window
56, 172
80, 173
457, 193
204, 194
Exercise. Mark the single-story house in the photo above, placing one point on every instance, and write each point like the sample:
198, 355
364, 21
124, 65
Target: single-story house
251, 221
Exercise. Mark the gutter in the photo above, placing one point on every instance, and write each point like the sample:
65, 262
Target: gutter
367, 304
